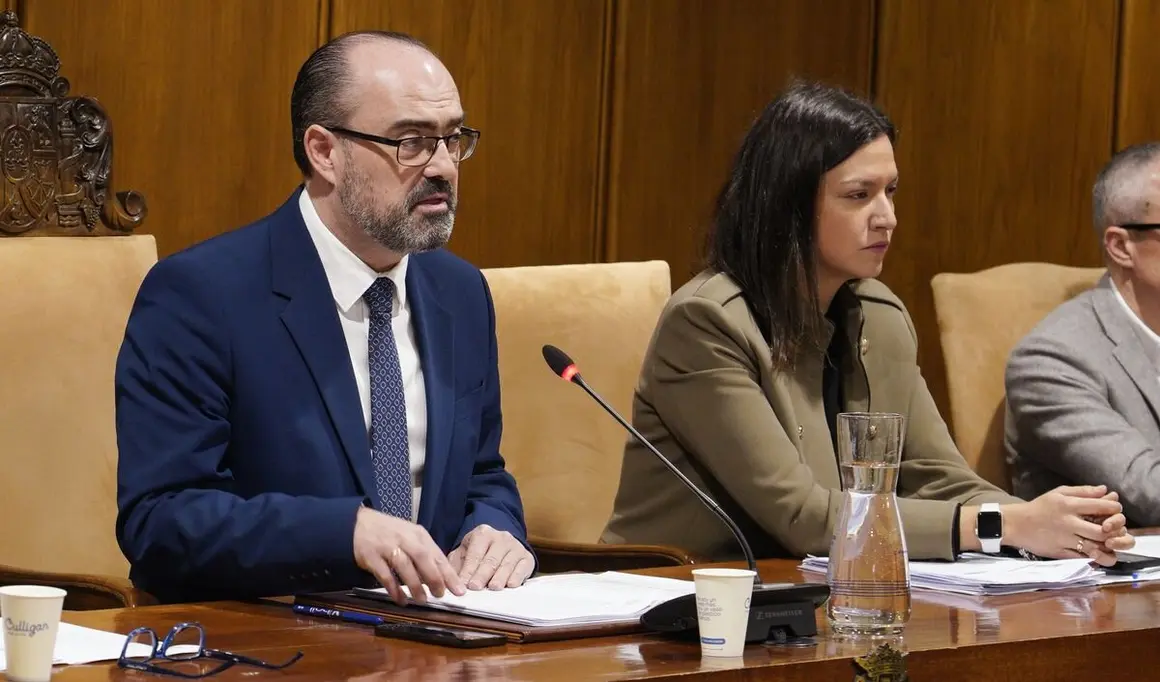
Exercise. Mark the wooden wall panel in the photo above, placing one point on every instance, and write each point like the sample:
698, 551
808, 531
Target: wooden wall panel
690, 76
1138, 96
530, 74
198, 92
1005, 110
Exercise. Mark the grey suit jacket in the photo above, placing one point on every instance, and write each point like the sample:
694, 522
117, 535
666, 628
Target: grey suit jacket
1083, 395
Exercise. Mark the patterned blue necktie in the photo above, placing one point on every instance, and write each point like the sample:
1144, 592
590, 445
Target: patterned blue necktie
390, 455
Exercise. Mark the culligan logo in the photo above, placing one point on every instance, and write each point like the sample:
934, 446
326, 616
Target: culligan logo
22, 628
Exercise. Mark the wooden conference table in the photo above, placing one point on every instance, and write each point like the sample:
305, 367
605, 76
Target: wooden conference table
1069, 634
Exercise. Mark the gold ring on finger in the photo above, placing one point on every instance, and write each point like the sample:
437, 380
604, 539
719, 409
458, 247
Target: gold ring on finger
1079, 546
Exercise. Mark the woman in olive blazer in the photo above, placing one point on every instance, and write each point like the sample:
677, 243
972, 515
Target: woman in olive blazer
752, 360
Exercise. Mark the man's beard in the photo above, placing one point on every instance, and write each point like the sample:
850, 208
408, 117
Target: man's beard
397, 228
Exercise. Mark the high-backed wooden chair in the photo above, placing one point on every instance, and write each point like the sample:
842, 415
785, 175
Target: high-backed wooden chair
69, 270
981, 316
561, 446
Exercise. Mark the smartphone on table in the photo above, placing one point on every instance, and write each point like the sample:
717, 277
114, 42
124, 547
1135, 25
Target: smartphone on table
1128, 564
440, 634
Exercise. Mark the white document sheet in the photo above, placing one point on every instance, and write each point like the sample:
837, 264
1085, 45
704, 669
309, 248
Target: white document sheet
979, 574
76, 645
564, 599
1146, 545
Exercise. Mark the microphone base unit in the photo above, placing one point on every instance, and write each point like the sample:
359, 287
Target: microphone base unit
777, 612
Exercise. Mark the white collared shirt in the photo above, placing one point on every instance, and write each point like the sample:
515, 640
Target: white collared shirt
1149, 338
349, 279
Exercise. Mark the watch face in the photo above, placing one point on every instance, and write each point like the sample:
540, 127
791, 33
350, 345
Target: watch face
990, 525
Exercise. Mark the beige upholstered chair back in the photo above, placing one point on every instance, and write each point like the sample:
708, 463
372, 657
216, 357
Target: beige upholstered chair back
563, 449
63, 310
981, 316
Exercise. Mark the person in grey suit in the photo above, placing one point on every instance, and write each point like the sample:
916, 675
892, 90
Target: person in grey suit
1083, 388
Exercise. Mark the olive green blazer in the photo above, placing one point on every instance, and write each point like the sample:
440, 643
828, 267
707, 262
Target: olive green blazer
757, 440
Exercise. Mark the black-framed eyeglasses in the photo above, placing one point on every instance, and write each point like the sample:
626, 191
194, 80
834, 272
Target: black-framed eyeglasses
190, 639
418, 150
1141, 226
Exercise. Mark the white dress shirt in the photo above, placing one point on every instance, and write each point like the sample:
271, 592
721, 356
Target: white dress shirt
1149, 338
349, 279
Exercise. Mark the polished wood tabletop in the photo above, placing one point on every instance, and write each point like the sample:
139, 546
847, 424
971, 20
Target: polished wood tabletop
1051, 635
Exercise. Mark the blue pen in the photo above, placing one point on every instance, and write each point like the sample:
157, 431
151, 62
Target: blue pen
348, 616
1151, 569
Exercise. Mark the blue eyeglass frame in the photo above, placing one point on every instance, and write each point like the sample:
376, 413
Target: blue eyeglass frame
160, 651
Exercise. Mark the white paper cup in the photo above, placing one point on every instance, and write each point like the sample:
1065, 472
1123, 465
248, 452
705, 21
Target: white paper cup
723, 596
31, 615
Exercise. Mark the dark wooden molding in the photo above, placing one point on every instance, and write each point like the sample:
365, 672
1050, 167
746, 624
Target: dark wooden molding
85, 592
555, 556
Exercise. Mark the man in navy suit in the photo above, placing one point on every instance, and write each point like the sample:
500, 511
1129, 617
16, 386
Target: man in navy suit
312, 402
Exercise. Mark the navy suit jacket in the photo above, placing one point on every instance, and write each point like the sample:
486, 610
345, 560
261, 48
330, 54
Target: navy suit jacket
244, 454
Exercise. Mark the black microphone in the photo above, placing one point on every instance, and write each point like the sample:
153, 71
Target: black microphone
563, 366
777, 611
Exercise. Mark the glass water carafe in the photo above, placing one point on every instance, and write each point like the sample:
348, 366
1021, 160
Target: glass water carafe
868, 574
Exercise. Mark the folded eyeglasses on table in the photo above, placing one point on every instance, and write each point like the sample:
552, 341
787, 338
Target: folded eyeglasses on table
183, 646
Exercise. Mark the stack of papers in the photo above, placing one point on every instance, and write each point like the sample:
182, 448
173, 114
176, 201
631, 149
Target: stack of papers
564, 599
76, 645
982, 575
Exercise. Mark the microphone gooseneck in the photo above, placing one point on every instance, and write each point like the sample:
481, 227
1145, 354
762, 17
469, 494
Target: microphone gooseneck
564, 368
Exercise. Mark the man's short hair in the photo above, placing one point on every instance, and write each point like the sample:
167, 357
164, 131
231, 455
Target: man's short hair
1119, 194
322, 88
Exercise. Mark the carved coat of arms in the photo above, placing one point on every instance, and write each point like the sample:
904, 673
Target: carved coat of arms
55, 150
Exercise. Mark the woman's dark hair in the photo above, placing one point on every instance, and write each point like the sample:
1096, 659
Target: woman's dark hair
762, 233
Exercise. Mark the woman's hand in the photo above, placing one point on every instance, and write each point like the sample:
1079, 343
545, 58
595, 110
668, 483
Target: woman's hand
1069, 522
